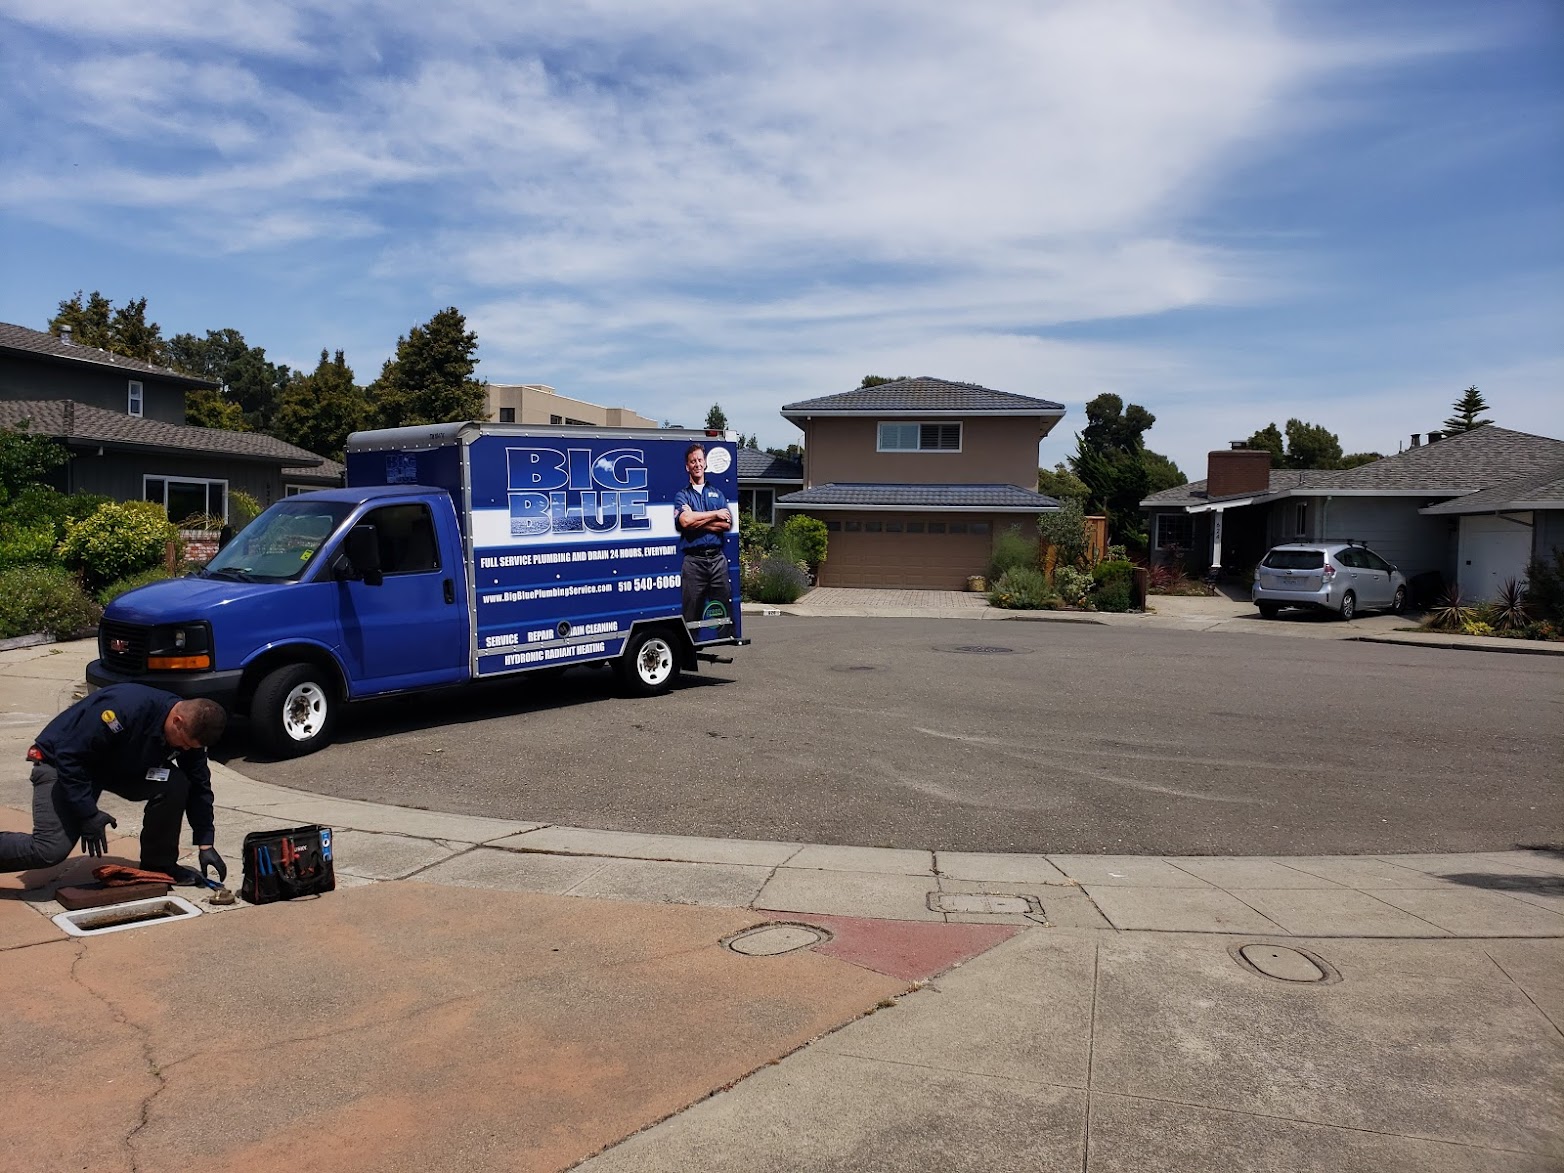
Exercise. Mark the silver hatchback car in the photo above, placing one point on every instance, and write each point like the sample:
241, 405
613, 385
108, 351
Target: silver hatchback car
1345, 577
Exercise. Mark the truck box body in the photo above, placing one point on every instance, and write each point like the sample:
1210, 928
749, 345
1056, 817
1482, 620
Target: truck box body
497, 549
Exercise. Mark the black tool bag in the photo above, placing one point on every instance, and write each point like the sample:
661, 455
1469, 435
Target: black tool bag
284, 865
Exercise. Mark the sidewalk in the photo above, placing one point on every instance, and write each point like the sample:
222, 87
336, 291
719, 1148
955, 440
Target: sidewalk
494, 994
1204, 613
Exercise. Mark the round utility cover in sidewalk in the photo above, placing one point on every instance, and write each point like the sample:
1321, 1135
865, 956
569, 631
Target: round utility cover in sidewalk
774, 940
1285, 963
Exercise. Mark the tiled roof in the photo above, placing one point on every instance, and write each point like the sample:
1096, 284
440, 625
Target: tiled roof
755, 465
21, 340
925, 396
327, 470
1544, 490
1000, 497
1463, 463
73, 421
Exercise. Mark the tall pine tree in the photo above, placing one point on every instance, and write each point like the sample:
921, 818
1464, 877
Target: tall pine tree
1467, 409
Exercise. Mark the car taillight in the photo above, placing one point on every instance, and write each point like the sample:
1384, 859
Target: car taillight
1329, 572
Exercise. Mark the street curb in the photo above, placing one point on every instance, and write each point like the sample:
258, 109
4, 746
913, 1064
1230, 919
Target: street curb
1520, 648
26, 641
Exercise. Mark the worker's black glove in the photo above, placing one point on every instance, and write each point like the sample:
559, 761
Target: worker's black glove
94, 832
210, 859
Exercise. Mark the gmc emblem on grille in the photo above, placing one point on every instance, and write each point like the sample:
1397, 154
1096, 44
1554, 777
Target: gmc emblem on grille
119, 645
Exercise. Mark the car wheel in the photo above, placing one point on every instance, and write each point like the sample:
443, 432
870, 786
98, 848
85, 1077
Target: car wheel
648, 665
1269, 610
1399, 601
295, 710
1349, 606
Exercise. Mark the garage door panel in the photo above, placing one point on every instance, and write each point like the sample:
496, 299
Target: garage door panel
939, 561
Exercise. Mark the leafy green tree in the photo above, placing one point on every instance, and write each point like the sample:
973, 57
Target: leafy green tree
791, 452
208, 407
27, 460
716, 418
1064, 529
1269, 438
1467, 409
248, 380
320, 410
89, 320
1110, 457
1311, 446
1354, 459
131, 335
1161, 473
878, 380
1062, 485
430, 381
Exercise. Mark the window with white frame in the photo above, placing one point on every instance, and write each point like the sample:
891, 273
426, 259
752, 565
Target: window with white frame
185, 497
134, 399
906, 437
1301, 519
1175, 529
295, 490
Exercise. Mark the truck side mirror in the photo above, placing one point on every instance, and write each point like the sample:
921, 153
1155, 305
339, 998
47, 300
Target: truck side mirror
363, 547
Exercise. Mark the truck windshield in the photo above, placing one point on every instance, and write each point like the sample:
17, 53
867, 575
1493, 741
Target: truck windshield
280, 544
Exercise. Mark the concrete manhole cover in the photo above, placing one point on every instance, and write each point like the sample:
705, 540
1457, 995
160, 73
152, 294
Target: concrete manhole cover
983, 902
978, 650
774, 940
1285, 963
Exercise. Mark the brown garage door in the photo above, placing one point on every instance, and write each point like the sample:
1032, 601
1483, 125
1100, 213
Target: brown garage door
906, 551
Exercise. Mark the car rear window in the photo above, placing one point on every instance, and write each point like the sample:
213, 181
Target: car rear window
1295, 559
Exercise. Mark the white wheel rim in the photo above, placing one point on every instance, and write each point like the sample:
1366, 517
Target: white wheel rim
654, 662
304, 711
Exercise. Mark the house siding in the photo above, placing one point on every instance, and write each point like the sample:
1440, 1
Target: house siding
1548, 532
120, 475
1391, 526
97, 386
845, 451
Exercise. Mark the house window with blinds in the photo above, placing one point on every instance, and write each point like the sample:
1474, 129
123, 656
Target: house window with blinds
905, 437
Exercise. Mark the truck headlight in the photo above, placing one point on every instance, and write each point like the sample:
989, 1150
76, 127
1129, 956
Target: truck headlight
180, 647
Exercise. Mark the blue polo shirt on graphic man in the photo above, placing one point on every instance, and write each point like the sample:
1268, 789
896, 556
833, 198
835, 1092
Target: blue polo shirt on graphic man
704, 574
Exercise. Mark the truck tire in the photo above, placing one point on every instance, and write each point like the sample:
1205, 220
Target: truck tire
649, 664
295, 710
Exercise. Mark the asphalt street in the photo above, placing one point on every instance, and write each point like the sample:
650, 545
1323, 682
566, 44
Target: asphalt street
1035, 737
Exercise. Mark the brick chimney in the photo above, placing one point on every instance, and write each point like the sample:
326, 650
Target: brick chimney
1239, 470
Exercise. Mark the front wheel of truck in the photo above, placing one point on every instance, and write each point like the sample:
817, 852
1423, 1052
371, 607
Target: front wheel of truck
648, 665
295, 710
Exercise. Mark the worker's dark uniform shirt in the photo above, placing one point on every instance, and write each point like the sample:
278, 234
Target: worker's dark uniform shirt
699, 499
115, 736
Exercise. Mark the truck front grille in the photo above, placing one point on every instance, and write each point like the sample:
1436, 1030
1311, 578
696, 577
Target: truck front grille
123, 646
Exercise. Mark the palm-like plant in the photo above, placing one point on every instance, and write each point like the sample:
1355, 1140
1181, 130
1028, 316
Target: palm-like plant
1509, 611
1451, 611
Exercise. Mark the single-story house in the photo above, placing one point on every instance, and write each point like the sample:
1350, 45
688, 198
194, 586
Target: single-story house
913, 478
1244, 506
1500, 530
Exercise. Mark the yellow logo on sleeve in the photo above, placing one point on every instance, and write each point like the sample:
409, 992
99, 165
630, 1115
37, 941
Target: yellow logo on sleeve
111, 720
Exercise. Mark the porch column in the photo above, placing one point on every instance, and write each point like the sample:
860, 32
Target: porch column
1216, 543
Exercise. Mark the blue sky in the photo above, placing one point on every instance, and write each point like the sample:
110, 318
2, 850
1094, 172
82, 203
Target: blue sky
1230, 211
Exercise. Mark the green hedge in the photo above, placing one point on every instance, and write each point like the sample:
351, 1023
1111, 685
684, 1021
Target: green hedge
117, 540
44, 599
129, 583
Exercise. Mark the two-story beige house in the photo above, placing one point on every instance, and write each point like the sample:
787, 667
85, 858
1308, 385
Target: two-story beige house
914, 478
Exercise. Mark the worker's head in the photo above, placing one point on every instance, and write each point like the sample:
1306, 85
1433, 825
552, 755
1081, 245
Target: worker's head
194, 724
695, 462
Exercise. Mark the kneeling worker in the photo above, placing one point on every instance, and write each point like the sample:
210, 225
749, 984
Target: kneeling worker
140, 743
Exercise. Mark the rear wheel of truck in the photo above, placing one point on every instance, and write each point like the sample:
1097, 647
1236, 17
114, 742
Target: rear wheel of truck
295, 710
648, 665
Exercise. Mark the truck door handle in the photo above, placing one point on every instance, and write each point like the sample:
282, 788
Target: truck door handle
450, 591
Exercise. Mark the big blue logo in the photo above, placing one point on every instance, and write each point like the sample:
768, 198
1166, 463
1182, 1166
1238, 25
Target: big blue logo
570, 492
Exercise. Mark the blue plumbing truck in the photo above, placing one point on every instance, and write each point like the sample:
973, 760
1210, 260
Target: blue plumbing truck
460, 552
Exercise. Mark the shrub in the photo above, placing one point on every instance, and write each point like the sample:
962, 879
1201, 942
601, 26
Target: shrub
1065, 530
1545, 587
1509, 611
39, 505
776, 580
1073, 585
43, 599
242, 509
1116, 594
1012, 551
129, 583
26, 545
1021, 588
809, 537
117, 540
1451, 612
756, 538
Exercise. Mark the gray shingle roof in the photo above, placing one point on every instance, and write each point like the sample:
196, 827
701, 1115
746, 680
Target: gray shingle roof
1004, 498
925, 396
1463, 463
328, 469
755, 465
1544, 490
21, 340
73, 421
